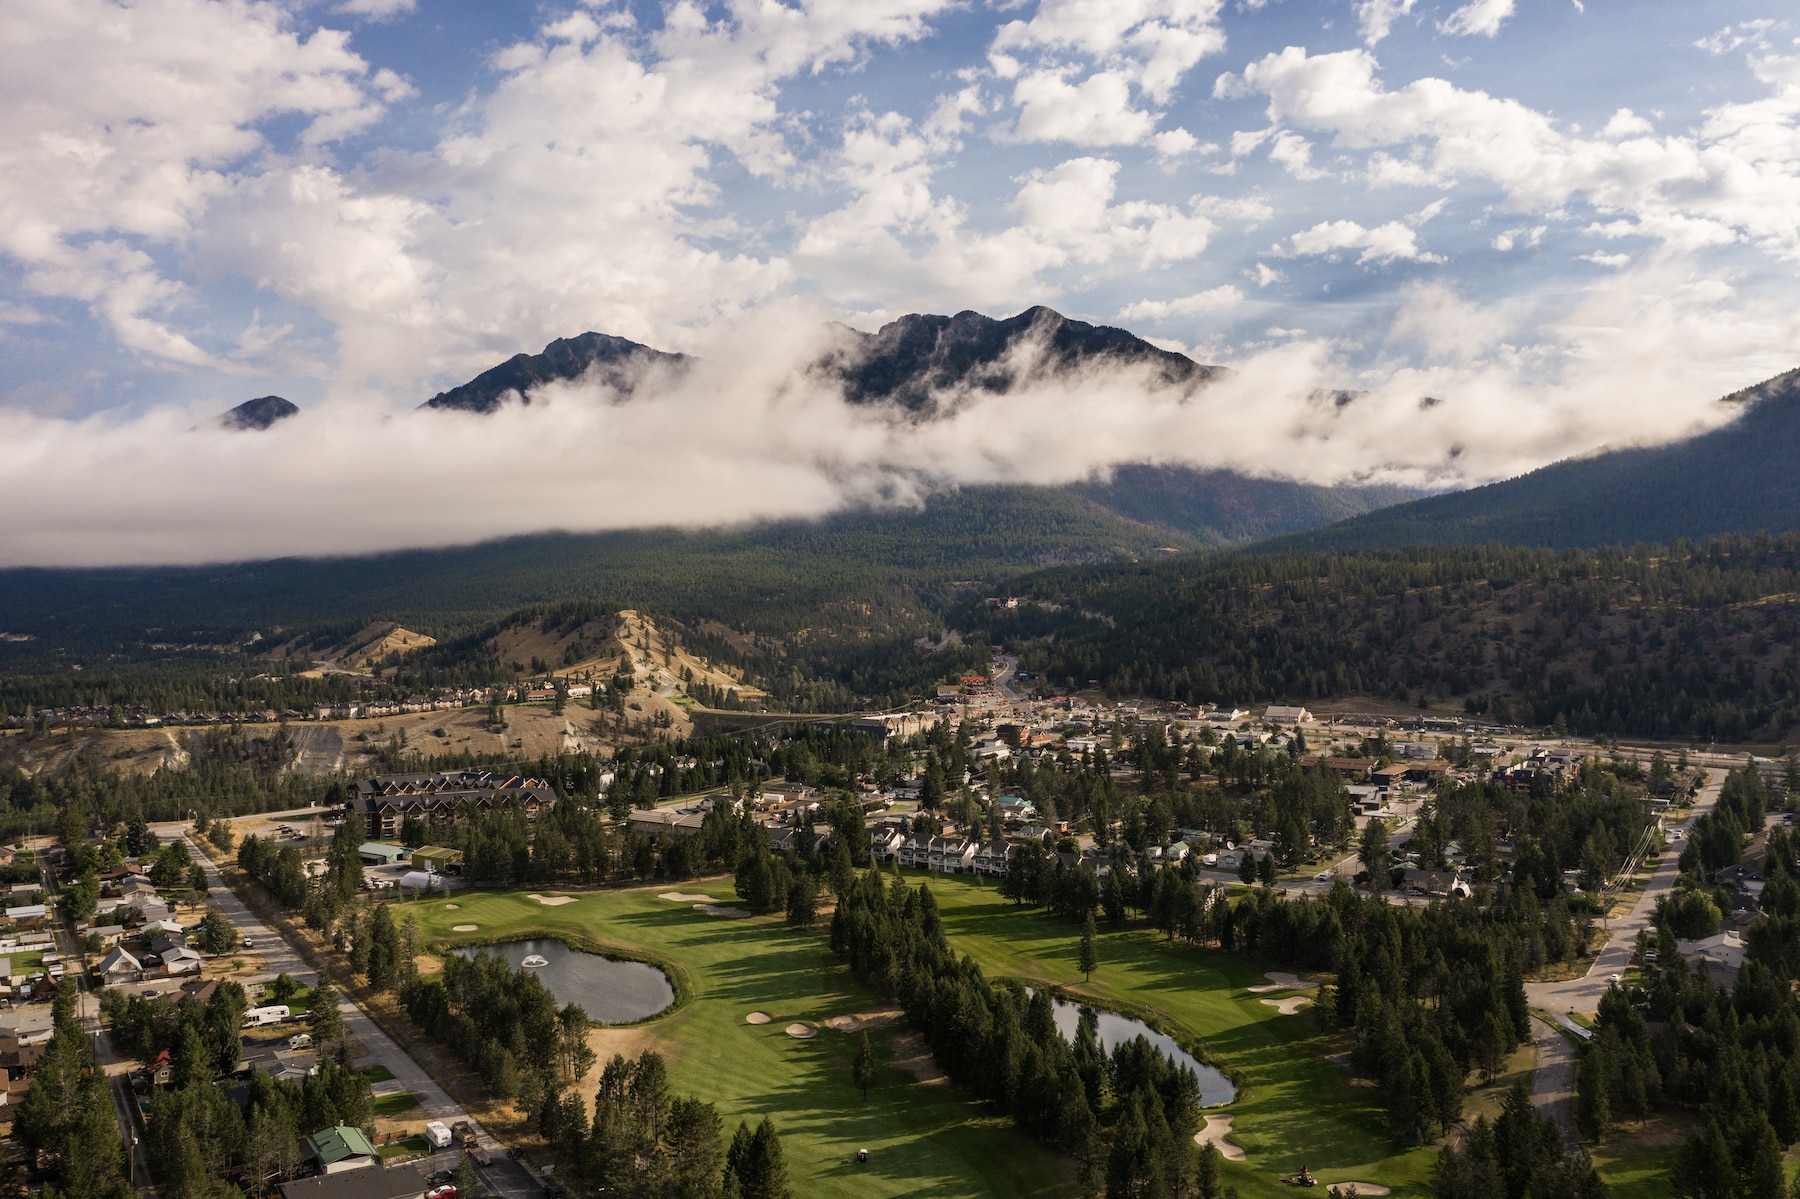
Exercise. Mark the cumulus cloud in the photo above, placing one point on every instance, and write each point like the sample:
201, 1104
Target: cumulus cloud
1375, 18
1384, 243
1132, 54
104, 163
1736, 177
1478, 17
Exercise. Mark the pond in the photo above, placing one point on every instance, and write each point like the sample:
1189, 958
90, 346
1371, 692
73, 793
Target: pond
609, 990
1111, 1029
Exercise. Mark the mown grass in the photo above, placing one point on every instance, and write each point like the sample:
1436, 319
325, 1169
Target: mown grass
393, 1105
923, 1140
1294, 1108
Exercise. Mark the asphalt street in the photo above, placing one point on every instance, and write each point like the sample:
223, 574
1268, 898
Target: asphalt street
505, 1177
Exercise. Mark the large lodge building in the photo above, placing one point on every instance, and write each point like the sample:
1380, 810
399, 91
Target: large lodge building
443, 798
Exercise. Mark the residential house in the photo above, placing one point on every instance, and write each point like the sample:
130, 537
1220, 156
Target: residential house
884, 844
951, 855
992, 857
339, 1148
1282, 714
395, 1182
666, 822
1722, 952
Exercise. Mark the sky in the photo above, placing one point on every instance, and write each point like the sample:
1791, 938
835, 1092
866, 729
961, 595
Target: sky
1526, 229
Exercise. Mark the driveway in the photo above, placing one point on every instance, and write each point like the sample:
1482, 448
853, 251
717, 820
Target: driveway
1553, 1078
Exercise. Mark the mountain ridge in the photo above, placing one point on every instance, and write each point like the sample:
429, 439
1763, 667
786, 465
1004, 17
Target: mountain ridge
1737, 478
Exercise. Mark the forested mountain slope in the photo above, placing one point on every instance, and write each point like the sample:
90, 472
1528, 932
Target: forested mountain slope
1682, 641
1737, 479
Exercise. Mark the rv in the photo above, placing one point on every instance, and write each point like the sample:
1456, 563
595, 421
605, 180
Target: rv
437, 1135
259, 1017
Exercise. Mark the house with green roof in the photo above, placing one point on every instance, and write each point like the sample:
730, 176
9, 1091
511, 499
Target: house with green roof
338, 1148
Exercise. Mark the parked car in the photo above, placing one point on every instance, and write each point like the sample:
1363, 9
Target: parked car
438, 1178
446, 1191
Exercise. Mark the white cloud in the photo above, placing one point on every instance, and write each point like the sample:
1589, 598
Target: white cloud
1737, 177
1478, 17
1510, 238
124, 123
1214, 299
1134, 54
380, 10
1096, 112
1612, 260
1294, 154
1266, 274
1375, 18
1384, 243
1754, 34
1626, 123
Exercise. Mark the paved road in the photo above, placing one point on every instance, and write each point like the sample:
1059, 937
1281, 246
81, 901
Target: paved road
1583, 994
1553, 1078
505, 1177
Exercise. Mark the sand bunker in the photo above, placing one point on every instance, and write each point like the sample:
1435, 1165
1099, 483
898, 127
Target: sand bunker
712, 909
451, 907
861, 1021
1289, 1005
1216, 1130
801, 1032
1362, 1188
552, 901
1278, 981
757, 1018
682, 897
465, 928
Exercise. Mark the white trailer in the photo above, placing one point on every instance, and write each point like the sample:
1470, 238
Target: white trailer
261, 1017
437, 1135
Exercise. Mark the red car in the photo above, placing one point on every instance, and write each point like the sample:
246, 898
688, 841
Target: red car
447, 1191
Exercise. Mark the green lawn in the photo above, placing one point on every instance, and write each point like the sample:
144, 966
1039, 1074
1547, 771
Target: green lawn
393, 1105
1296, 1108
401, 1150
376, 1073
923, 1141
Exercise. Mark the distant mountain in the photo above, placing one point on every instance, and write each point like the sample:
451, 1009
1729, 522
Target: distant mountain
615, 361
907, 360
259, 413
1740, 478
1221, 507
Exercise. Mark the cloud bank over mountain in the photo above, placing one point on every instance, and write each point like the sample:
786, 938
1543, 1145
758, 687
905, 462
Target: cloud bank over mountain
1570, 226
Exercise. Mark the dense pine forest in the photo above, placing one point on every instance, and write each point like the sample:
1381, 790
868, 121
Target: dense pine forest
1689, 640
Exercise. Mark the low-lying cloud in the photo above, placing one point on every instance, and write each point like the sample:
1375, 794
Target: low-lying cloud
748, 434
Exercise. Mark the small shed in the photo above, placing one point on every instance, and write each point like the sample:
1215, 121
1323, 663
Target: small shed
439, 859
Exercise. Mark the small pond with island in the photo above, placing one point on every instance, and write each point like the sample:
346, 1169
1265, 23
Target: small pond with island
1110, 1028
608, 989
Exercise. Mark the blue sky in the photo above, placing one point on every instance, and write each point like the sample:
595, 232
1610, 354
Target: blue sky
1576, 222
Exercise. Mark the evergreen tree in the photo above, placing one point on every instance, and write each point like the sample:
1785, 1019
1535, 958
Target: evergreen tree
1090, 951
862, 1070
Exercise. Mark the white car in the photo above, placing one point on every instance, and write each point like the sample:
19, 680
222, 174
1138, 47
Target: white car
1322, 876
1614, 978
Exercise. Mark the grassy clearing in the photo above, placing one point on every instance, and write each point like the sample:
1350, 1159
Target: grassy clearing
923, 1140
392, 1105
376, 1073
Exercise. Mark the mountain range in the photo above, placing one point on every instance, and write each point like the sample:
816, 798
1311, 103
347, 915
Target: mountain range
1738, 478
